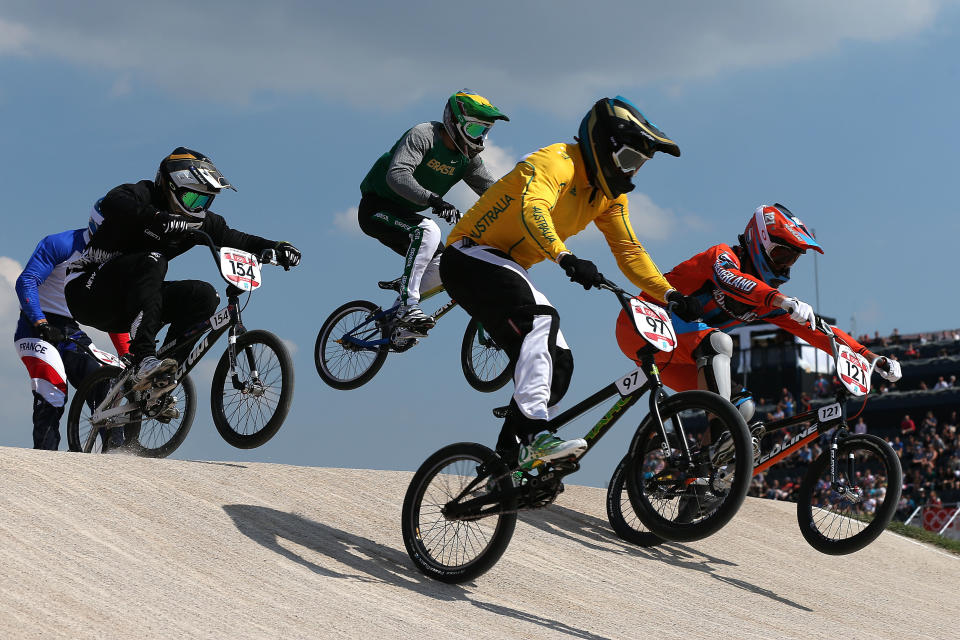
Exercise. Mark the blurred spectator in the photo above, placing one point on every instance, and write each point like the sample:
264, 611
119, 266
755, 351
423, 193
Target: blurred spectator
895, 336
821, 388
860, 427
929, 424
786, 400
910, 352
907, 425
805, 404
941, 384
923, 386
897, 445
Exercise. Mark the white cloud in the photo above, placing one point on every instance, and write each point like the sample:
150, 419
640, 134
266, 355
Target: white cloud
374, 55
13, 37
346, 222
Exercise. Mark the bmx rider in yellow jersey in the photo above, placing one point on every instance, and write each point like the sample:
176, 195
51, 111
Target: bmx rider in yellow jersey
524, 219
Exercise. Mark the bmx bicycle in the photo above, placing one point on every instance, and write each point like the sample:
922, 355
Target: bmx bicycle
838, 508
252, 384
461, 506
354, 341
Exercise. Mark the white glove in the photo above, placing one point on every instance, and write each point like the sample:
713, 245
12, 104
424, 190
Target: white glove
799, 310
893, 372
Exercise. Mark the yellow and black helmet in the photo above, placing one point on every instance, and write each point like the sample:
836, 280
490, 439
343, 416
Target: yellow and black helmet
615, 140
191, 181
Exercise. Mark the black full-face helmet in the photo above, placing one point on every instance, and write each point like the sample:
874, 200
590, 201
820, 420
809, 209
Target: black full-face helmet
190, 182
615, 140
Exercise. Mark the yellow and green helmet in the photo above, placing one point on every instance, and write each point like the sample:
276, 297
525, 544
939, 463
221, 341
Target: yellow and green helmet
468, 117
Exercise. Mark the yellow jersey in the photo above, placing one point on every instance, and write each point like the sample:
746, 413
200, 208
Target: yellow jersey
544, 200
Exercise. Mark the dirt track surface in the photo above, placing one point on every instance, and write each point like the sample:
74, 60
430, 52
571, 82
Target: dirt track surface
113, 546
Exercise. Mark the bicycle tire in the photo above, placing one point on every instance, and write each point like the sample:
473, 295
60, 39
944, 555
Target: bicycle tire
269, 395
344, 368
164, 438
620, 512
681, 504
425, 528
871, 455
486, 366
157, 439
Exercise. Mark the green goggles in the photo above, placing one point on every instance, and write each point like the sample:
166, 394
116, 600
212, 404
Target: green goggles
193, 201
476, 128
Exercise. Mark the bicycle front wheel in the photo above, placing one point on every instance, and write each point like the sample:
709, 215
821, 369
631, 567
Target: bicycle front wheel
455, 527
620, 512
685, 497
849, 513
249, 407
343, 364
485, 365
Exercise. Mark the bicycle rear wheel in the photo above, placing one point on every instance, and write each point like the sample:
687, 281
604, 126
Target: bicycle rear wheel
342, 364
620, 512
485, 365
165, 423
849, 514
452, 529
684, 498
250, 408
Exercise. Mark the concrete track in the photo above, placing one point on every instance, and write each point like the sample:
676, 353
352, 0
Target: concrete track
115, 546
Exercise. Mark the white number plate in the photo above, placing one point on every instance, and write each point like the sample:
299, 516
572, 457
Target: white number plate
854, 370
220, 318
631, 382
240, 268
653, 323
829, 412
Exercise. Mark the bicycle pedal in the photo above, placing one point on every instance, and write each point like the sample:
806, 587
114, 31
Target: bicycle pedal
501, 412
390, 285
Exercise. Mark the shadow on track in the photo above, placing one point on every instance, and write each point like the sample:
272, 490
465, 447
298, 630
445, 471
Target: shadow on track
595, 533
369, 561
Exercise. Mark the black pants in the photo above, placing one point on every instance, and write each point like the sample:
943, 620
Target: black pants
415, 237
129, 294
499, 294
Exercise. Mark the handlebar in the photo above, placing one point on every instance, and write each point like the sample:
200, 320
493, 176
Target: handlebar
268, 256
624, 296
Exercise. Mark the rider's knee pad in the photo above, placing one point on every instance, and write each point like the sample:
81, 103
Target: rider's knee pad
713, 356
743, 401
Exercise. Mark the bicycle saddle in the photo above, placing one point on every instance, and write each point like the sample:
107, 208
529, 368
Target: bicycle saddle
390, 285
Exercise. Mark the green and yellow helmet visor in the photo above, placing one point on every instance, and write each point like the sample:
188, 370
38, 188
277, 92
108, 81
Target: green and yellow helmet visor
473, 109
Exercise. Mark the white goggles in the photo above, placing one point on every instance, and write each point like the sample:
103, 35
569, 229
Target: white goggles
629, 159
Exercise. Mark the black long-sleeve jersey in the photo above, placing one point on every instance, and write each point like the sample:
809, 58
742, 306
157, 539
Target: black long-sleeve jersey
129, 210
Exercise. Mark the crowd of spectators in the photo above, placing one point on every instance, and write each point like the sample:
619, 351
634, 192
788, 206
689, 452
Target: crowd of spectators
929, 455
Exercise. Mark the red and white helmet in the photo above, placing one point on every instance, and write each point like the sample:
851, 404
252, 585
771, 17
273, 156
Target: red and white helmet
774, 239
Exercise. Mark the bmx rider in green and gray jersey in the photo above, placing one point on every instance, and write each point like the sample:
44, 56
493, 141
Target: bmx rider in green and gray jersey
420, 168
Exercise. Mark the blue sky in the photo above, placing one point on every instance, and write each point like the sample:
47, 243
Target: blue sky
846, 114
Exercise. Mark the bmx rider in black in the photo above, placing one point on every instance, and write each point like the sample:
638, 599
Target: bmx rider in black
118, 285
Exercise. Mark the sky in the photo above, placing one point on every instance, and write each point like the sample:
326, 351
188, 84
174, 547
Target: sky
844, 112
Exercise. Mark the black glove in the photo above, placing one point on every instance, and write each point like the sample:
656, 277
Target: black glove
687, 308
580, 271
50, 333
287, 255
167, 223
443, 209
